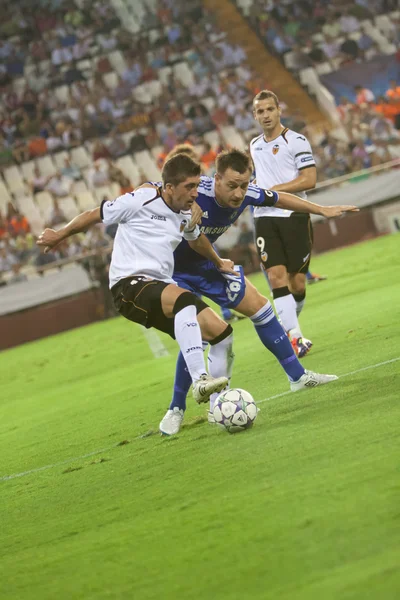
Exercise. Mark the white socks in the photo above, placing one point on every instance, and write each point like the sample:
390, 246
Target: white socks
285, 306
220, 362
188, 336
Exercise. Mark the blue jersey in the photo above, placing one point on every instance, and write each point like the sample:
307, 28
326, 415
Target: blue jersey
217, 219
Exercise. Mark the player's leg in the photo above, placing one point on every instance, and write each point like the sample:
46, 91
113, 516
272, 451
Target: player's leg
274, 338
214, 331
270, 331
193, 322
297, 285
272, 252
298, 242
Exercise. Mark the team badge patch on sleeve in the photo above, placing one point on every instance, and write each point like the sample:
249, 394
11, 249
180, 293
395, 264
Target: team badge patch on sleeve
275, 149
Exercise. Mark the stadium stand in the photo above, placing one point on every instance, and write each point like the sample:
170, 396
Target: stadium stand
94, 94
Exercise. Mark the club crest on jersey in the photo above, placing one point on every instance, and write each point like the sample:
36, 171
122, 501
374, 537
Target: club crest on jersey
183, 225
275, 149
264, 256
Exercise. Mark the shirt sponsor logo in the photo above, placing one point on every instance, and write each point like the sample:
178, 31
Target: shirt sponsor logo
275, 149
158, 218
307, 159
213, 230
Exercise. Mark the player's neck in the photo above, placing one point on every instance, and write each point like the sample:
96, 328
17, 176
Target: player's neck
167, 197
271, 134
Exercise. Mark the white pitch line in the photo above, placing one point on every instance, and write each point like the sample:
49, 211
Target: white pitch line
381, 364
72, 460
154, 342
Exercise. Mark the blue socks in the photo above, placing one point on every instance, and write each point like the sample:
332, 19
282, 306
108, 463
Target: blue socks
226, 313
182, 384
273, 336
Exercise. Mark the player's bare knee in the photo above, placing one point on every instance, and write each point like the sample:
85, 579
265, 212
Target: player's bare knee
211, 325
252, 302
297, 283
278, 276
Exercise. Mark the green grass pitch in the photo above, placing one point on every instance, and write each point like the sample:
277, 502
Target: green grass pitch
305, 505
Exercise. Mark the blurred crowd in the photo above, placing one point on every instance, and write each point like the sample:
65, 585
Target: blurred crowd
60, 89
290, 26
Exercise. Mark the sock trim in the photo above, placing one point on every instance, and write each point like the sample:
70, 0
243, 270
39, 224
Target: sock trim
300, 297
280, 292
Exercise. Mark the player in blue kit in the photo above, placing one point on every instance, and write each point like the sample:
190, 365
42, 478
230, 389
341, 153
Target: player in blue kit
221, 200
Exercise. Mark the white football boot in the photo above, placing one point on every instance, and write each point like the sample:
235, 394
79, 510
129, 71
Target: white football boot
207, 385
311, 379
210, 417
171, 423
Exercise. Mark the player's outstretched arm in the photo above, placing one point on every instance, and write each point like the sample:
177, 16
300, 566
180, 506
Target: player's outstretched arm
203, 246
50, 238
292, 202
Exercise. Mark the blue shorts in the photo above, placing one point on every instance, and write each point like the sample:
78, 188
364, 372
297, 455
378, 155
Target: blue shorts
223, 289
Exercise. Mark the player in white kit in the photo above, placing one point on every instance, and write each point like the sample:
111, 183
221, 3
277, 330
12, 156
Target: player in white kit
284, 162
151, 224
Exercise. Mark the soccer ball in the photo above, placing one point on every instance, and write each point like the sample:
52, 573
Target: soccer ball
235, 410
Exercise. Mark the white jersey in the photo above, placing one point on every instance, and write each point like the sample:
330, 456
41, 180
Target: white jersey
147, 235
280, 161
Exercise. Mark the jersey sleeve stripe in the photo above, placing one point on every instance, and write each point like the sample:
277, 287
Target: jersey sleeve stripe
101, 209
301, 154
306, 167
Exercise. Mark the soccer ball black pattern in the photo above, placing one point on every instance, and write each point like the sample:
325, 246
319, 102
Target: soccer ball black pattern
235, 410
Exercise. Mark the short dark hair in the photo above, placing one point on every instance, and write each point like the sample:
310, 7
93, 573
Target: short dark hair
182, 149
233, 159
178, 168
264, 95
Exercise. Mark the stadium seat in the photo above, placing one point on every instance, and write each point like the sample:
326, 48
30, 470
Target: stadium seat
62, 93
129, 169
68, 206
59, 159
86, 201
45, 204
46, 166
14, 179
212, 137
111, 79
4, 197
78, 187
323, 68
101, 192
80, 157
232, 137
27, 169
146, 163
27, 207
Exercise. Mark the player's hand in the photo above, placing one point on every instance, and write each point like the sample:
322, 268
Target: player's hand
49, 239
197, 213
227, 266
335, 211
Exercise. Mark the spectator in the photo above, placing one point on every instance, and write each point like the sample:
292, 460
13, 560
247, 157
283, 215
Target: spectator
17, 276
18, 224
98, 177
363, 95
100, 150
208, 157
70, 171
38, 182
348, 23
57, 216
59, 185
350, 49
